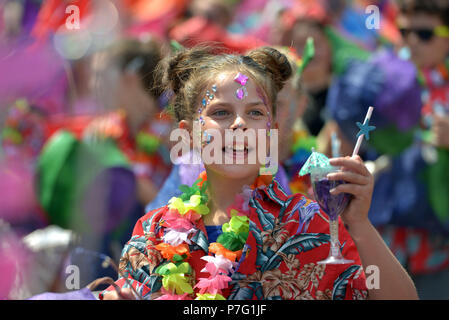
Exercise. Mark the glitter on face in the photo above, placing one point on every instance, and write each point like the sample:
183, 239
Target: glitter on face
241, 78
241, 92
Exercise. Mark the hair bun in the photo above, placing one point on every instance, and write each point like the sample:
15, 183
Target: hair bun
276, 63
179, 67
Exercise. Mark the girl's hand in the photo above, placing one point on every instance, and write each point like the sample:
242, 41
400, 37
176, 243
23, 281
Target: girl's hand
360, 184
119, 294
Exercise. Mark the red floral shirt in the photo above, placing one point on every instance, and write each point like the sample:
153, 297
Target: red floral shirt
288, 236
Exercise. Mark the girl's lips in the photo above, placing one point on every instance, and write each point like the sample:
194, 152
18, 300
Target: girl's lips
237, 152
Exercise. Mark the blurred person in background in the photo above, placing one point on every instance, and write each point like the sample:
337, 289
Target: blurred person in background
425, 31
209, 22
296, 142
333, 53
317, 77
408, 90
97, 172
218, 11
127, 70
52, 94
422, 242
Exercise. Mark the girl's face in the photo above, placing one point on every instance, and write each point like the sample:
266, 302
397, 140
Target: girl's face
226, 114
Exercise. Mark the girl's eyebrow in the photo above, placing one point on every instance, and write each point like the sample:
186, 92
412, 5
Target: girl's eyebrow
227, 104
255, 103
219, 103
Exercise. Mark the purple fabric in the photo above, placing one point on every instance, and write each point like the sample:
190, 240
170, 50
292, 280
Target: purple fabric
110, 198
83, 294
385, 82
189, 172
30, 12
282, 179
400, 100
35, 72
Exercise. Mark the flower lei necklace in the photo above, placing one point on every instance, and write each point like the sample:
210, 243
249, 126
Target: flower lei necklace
179, 221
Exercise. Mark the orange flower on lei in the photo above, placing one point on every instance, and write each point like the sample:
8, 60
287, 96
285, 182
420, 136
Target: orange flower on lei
169, 252
220, 250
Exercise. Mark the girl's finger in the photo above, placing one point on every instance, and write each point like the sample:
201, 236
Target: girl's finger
354, 189
127, 294
350, 163
349, 176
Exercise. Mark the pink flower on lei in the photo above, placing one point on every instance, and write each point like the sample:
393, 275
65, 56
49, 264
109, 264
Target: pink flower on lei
170, 296
213, 284
217, 264
174, 220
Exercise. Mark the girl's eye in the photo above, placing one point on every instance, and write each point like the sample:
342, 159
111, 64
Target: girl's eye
256, 113
220, 113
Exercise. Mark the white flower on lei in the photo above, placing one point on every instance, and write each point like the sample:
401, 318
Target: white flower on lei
176, 237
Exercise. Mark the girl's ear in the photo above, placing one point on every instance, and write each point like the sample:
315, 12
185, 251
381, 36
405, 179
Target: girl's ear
183, 124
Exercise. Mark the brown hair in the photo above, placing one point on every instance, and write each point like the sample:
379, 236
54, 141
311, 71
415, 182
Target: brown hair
439, 8
188, 72
140, 56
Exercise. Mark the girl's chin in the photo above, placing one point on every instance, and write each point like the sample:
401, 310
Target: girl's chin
235, 171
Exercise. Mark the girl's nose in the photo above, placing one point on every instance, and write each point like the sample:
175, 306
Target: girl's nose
239, 123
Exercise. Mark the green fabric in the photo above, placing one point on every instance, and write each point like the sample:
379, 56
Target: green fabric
65, 168
232, 241
307, 56
343, 51
147, 143
107, 154
172, 268
187, 191
437, 177
391, 141
237, 224
427, 136
176, 46
306, 143
53, 164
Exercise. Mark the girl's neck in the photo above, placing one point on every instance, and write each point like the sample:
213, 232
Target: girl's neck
222, 191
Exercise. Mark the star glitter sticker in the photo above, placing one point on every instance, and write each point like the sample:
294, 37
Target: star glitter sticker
241, 78
365, 128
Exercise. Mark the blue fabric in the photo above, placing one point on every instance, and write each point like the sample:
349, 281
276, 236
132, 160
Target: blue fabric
385, 82
400, 195
169, 189
213, 232
353, 22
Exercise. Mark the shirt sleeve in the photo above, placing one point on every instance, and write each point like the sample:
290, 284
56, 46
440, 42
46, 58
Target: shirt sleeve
340, 281
356, 287
139, 258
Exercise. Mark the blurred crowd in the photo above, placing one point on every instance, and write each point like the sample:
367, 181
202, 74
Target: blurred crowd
85, 128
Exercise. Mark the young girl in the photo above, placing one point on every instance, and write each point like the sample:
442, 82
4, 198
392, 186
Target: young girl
214, 242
